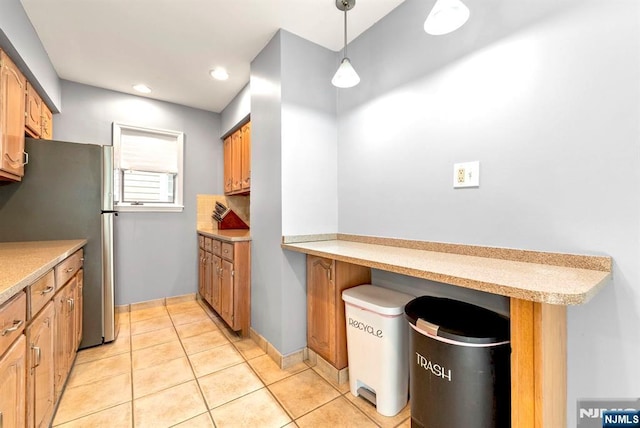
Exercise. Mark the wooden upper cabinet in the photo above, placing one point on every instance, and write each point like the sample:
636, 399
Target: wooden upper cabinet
33, 116
237, 161
47, 123
38, 117
245, 169
228, 179
12, 120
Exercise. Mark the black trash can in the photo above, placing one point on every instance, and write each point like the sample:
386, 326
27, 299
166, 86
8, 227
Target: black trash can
460, 372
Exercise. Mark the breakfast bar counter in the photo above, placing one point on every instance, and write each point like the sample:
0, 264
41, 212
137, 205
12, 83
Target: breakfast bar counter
540, 285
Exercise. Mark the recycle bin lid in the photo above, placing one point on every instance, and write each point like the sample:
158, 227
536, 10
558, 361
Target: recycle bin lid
459, 321
383, 301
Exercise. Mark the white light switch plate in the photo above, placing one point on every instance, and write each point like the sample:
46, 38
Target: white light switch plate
466, 174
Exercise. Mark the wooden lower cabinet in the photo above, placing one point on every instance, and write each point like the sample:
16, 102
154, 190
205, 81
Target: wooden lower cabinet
202, 261
326, 330
65, 332
13, 384
225, 281
40, 372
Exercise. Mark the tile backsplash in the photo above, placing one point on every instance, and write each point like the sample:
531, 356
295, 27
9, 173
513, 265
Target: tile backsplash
206, 204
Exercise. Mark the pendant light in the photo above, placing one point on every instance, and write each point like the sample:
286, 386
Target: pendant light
346, 76
446, 16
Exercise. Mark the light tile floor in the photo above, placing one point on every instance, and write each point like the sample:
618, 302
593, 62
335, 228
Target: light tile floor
179, 365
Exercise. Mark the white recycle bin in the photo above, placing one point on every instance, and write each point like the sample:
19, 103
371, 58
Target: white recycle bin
378, 346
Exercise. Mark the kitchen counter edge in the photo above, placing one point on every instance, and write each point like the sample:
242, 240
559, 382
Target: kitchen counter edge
528, 279
22, 263
229, 235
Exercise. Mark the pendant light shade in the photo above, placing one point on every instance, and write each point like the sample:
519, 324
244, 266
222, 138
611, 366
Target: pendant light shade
446, 16
346, 76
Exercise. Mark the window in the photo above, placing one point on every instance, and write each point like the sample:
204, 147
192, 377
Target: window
147, 169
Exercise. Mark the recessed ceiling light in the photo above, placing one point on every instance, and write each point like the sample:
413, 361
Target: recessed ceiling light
142, 88
219, 73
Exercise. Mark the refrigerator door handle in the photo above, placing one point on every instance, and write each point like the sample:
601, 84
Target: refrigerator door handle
108, 279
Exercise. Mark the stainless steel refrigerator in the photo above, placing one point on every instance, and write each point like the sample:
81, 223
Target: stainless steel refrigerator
67, 193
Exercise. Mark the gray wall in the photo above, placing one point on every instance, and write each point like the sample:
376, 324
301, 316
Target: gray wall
293, 183
236, 110
549, 104
20, 40
266, 194
156, 253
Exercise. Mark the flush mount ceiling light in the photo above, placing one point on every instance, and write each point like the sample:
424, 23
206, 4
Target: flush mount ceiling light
445, 17
141, 87
219, 73
346, 76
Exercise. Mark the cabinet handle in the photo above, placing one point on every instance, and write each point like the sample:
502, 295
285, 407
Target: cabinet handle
71, 304
69, 269
16, 326
36, 350
26, 158
47, 290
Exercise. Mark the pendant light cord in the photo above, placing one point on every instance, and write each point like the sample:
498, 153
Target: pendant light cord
345, 3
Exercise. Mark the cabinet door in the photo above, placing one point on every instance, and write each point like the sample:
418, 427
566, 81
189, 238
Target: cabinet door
64, 333
12, 107
228, 179
207, 276
46, 132
40, 363
79, 309
33, 120
216, 272
227, 293
202, 260
236, 161
320, 307
245, 169
12, 385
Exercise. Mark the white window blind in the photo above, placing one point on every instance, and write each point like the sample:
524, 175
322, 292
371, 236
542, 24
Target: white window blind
147, 169
140, 151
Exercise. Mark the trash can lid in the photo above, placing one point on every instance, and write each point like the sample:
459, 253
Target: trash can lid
459, 321
377, 299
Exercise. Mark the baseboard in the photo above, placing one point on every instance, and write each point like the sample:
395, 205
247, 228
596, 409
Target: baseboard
156, 302
283, 361
337, 376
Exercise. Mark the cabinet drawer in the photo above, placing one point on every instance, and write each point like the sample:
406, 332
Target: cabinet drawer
67, 268
201, 241
207, 244
40, 292
216, 247
227, 251
13, 316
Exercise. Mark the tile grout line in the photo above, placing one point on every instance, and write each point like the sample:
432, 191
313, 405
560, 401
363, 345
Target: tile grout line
204, 400
130, 336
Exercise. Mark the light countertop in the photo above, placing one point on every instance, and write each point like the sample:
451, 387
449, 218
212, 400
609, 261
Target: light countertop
230, 235
555, 278
22, 263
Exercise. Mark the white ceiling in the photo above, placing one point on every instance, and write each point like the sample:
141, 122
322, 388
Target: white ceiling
170, 45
